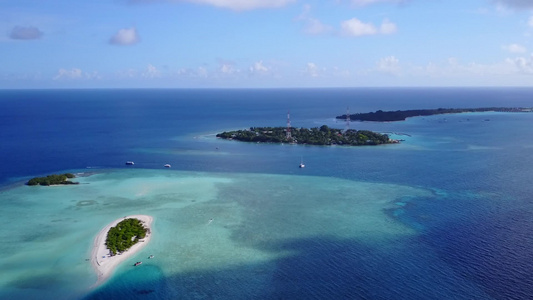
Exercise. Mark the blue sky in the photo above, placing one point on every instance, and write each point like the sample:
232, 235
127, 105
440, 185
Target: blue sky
265, 43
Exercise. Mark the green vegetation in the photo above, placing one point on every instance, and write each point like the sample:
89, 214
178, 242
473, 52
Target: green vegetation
401, 115
314, 136
52, 179
126, 234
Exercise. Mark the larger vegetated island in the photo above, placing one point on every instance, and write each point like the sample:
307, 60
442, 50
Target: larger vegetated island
314, 136
401, 115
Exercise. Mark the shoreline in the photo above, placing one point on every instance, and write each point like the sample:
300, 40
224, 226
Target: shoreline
102, 262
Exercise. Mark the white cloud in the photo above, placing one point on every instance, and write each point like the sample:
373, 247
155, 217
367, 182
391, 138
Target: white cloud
25, 33
389, 64
151, 72
312, 25
455, 73
355, 27
245, 4
93, 75
352, 27
129, 73
259, 68
74, 73
515, 48
312, 70
369, 2
227, 67
126, 36
453, 61
530, 21
184, 72
202, 72
238, 5
387, 27
523, 64
499, 9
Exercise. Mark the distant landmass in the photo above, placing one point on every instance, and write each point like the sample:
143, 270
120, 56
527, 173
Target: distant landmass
314, 136
401, 115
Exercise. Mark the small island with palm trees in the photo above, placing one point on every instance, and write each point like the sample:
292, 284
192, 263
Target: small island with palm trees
54, 179
314, 136
124, 235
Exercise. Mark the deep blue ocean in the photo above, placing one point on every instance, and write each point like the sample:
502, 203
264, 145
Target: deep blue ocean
469, 237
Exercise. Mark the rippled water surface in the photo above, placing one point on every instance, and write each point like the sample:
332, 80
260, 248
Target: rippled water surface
446, 214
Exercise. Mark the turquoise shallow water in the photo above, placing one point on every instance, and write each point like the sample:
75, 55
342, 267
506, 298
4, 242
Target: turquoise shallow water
251, 215
444, 215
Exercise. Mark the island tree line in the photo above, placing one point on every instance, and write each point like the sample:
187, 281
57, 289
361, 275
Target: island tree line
314, 136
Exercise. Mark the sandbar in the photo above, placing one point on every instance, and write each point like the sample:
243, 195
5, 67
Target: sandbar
102, 260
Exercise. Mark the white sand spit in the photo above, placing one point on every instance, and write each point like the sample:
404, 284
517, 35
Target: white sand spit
102, 261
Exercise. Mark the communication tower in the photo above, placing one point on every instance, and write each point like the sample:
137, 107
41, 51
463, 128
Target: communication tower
347, 119
289, 137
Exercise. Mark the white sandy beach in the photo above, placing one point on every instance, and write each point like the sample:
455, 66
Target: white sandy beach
103, 263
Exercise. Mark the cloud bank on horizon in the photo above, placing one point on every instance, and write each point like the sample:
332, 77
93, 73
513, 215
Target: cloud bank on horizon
266, 43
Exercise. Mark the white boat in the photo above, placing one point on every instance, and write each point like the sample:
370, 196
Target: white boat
167, 166
130, 163
302, 164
